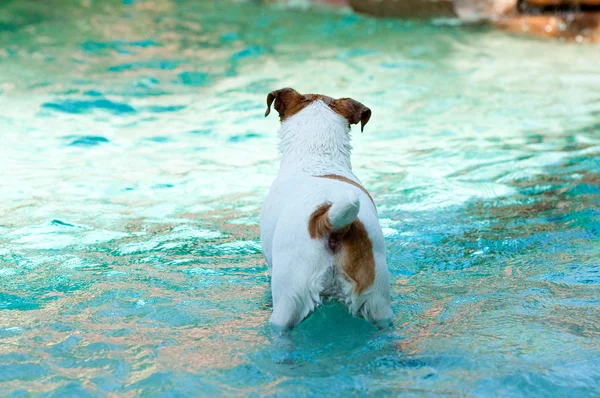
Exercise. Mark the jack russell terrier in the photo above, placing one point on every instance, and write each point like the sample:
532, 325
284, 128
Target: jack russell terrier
318, 226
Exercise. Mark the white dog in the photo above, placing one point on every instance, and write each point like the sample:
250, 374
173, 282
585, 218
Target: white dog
319, 228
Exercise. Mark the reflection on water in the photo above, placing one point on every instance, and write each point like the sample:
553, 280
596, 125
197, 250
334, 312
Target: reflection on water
135, 158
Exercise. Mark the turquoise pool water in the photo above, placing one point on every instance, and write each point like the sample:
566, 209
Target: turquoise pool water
135, 158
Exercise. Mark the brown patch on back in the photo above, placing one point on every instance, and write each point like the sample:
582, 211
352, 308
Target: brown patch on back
351, 247
356, 257
288, 102
318, 224
349, 181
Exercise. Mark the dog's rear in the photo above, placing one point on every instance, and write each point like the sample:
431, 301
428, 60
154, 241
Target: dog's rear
337, 225
327, 248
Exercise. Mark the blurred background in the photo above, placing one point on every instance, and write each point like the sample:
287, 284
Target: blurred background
135, 157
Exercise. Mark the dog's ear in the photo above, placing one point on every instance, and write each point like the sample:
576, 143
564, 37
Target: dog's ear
286, 101
353, 111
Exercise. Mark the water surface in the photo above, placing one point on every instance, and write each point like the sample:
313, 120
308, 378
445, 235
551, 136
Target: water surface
135, 158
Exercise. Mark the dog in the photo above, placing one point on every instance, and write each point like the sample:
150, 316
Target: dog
319, 229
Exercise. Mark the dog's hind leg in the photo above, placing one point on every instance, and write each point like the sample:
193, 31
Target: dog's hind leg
377, 306
295, 295
299, 269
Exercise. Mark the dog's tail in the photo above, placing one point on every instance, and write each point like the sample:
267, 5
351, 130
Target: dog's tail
334, 217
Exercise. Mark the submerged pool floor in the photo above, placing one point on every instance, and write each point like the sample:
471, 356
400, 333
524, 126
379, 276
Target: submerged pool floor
134, 158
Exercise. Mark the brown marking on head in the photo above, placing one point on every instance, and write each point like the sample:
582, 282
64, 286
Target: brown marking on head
288, 102
351, 247
348, 181
353, 111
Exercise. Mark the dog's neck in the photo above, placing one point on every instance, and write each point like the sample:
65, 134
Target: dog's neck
315, 141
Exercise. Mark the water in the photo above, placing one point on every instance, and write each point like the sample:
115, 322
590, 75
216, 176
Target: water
135, 158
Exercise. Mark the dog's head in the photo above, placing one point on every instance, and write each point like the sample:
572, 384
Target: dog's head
288, 102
